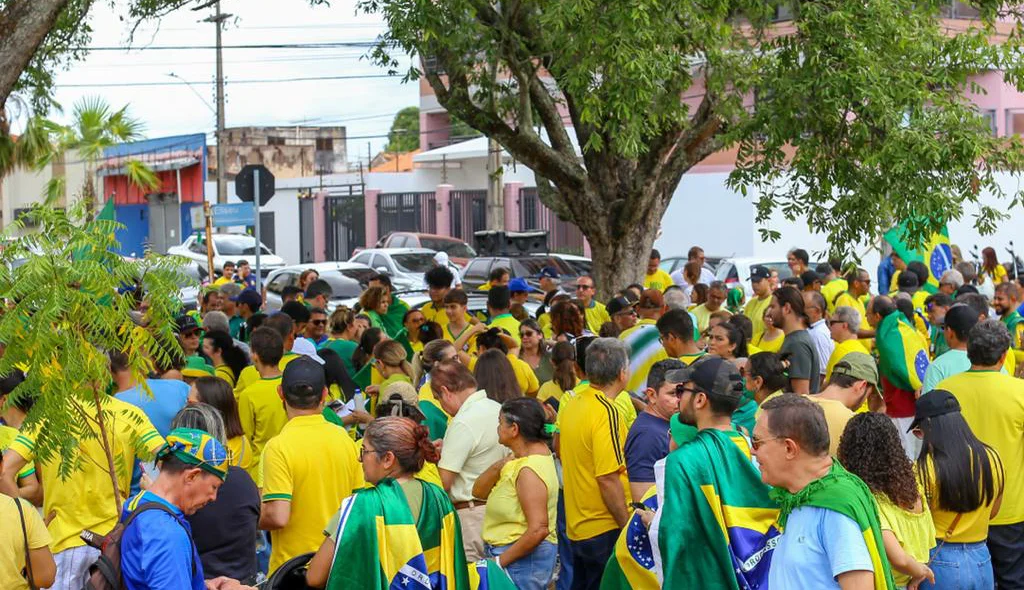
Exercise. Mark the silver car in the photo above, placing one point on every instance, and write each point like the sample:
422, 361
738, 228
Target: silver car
347, 281
405, 266
228, 248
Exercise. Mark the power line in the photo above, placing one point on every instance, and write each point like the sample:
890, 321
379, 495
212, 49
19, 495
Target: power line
327, 45
229, 82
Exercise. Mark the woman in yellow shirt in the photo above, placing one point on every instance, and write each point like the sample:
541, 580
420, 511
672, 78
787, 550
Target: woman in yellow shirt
870, 448
963, 482
991, 268
214, 392
522, 495
772, 338
227, 359
389, 358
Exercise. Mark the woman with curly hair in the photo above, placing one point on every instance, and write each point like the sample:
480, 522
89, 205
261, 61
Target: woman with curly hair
566, 318
870, 448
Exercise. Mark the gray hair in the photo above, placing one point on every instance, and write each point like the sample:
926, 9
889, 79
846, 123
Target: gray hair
676, 299
847, 315
201, 417
606, 359
230, 289
967, 270
987, 342
216, 320
718, 286
799, 419
952, 277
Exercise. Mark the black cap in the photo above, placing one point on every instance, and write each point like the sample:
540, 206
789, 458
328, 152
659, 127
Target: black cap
824, 269
713, 375
304, 371
960, 318
186, 323
759, 273
907, 280
809, 276
935, 403
618, 304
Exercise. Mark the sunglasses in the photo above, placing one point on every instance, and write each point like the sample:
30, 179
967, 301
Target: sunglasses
757, 443
527, 334
583, 287
319, 322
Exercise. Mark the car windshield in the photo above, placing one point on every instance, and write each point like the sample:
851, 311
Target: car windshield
346, 284
452, 247
238, 246
530, 267
414, 262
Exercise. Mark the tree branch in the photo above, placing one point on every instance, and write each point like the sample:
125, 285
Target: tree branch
24, 25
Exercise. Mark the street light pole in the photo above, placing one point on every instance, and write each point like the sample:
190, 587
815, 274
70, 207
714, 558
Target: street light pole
222, 187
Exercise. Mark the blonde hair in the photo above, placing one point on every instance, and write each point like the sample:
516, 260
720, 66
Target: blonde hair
392, 354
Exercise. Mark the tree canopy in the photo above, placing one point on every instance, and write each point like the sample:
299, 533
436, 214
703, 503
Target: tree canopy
839, 111
404, 135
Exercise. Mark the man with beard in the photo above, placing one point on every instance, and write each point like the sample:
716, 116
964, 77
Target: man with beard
1005, 302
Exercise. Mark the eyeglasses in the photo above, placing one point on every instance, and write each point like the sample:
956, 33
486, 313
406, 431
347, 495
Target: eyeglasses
757, 443
682, 389
363, 451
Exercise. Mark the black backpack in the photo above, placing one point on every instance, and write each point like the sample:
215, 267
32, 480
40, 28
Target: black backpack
105, 574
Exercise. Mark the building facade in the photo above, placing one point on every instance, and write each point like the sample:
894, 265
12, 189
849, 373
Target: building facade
288, 152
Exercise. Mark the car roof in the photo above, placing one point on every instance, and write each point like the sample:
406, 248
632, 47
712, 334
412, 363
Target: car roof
424, 235
323, 266
397, 251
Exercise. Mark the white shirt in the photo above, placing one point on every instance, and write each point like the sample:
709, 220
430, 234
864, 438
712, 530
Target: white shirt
823, 343
706, 278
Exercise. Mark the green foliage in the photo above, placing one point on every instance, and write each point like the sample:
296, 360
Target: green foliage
64, 314
404, 135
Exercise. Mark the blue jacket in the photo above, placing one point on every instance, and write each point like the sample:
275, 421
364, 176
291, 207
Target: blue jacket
157, 552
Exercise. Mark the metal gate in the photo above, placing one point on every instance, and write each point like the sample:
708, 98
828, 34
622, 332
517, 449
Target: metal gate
415, 212
468, 213
306, 217
344, 212
164, 222
563, 236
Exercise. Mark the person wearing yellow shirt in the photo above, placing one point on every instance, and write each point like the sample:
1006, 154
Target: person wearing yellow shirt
899, 265
859, 282
591, 445
259, 406
228, 275
760, 282
992, 403
457, 330
772, 338
307, 469
716, 297
526, 379
499, 277
843, 327
655, 278
285, 327
439, 283
595, 312
498, 302
1005, 302
990, 269
953, 462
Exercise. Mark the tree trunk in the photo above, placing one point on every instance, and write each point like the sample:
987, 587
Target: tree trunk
24, 25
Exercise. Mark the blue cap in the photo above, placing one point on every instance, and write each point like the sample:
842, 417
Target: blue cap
519, 285
250, 297
549, 272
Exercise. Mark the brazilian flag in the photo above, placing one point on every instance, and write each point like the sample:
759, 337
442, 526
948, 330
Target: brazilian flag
936, 254
632, 563
902, 352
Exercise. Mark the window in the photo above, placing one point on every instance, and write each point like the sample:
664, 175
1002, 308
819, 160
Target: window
271, 140
477, 269
413, 262
280, 282
956, 9
197, 247
363, 258
452, 247
380, 261
990, 118
1015, 121
238, 245
325, 144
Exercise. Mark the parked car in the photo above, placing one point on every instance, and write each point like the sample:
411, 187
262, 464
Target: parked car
674, 263
581, 264
736, 271
458, 251
228, 248
405, 266
347, 281
527, 267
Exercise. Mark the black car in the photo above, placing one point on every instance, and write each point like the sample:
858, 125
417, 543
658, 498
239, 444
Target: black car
527, 267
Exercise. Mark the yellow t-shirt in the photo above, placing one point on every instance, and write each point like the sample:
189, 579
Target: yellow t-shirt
592, 443
250, 375
85, 501
993, 405
7, 434
842, 349
973, 526
1000, 275
625, 405
548, 390
12, 550
427, 395
314, 483
504, 520
508, 323
525, 376
703, 315
832, 290
836, 417
244, 456
222, 280
754, 310
596, 315
262, 412
470, 346
850, 301
225, 373
774, 394
660, 280
544, 321
769, 345
894, 282
915, 532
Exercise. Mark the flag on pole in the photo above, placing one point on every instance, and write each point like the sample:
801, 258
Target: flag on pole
936, 253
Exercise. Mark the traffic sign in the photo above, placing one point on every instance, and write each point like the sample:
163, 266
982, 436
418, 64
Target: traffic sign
233, 214
245, 184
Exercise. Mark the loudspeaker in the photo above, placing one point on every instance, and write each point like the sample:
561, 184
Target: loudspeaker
499, 243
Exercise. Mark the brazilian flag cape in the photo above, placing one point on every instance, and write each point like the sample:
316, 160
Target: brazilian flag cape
846, 494
719, 522
902, 352
381, 546
392, 320
936, 253
632, 563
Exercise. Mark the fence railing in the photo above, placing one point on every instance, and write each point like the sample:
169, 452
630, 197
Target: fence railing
563, 236
414, 212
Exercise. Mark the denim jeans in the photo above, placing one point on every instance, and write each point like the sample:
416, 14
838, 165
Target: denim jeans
532, 572
589, 558
961, 566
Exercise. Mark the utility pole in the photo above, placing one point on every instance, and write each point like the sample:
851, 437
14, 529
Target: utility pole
495, 187
222, 186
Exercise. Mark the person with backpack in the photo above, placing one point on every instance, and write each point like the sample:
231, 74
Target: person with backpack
156, 546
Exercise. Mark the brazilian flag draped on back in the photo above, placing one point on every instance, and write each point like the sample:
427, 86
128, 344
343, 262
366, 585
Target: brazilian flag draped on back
936, 254
902, 352
714, 500
632, 563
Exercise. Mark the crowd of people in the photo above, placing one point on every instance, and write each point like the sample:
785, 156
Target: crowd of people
684, 434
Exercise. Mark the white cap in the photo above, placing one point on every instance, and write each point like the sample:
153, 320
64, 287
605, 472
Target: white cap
305, 347
441, 258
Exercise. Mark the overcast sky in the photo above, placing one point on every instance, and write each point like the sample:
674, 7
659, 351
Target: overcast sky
365, 106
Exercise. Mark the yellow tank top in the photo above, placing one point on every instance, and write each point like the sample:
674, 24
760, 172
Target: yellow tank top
504, 520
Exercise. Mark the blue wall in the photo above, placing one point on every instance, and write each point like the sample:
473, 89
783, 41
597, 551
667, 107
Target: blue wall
135, 233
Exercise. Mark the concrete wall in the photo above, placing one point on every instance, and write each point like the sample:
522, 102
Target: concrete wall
24, 188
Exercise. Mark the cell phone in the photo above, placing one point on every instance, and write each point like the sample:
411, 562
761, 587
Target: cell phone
638, 506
